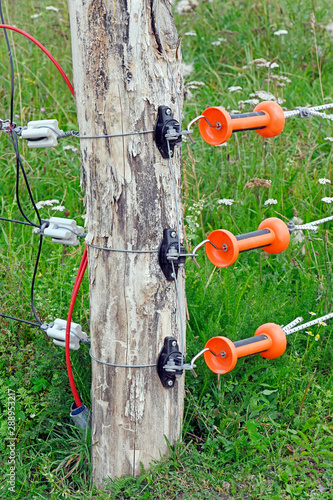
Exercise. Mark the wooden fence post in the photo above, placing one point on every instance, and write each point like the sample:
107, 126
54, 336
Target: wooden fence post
120, 80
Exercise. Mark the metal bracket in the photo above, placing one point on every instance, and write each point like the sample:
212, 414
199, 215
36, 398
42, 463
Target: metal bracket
167, 130
170, 363
169, 252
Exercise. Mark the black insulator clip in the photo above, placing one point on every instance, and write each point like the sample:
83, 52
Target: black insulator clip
170, 363
167, 129
169, 254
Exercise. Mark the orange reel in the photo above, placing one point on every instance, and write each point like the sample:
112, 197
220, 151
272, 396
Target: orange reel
269, 341
223, 247
267, 120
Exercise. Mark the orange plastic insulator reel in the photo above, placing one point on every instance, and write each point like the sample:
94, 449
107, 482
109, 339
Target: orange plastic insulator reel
272, 236
267, 119
269, 341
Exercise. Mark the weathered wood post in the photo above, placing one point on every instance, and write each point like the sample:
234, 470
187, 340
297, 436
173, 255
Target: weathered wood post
120, 80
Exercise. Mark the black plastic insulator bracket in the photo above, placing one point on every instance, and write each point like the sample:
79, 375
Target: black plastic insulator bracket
166, 124
169, 362
169, 252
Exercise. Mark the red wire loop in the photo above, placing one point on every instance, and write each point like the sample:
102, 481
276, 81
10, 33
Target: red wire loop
78, 281
49, 55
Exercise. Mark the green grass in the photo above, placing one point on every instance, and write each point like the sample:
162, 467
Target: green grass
263, 431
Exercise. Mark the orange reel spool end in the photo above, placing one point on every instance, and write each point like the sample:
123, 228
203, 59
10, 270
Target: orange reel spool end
279, 340
277, 119
218, 256
282, 235
219, 364
213, 135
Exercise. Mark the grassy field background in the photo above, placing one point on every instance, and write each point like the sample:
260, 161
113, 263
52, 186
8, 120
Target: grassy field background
265, 430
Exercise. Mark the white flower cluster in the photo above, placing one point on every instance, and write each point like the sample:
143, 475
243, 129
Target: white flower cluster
270, 201
280, 32
261, 63
234, 89
226, 201
327, 200
50, 203
324, 181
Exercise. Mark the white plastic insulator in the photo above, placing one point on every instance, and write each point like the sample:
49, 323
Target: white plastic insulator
58, 333
63, 231
42, 133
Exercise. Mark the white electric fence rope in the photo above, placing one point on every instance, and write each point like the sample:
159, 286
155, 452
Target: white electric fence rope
304, 112
313, 322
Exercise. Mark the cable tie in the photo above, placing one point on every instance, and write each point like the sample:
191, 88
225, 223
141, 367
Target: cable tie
119, 366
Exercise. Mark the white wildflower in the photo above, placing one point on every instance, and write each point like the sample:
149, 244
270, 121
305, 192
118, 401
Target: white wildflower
219, 41
186, 6
32, 415
50, 7
263, 95
322, 323
59, 208
46, 203
35, 16
328, 139
281, 32
252, 102
270, 201
226, 201
327, 200
234, 112
280, 100
190, 33
234, 89
312, 313
324, 181
70, 147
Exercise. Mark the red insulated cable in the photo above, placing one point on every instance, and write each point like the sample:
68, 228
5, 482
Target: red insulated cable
84, 260
49, 55
79, 277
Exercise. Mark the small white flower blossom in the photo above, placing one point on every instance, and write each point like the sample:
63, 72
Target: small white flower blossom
234, 111
252, 102
32, 415
226, 201
70, 147
59, 208
186, 6
219, 41
234, 89
46, 203
328, 139
322, 323
50, 7
263, 95
327, 200
312, 313
270, 201
280, 32
190, 33
324, 181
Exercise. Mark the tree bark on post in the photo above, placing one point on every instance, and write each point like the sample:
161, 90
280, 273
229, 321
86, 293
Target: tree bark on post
120, 80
